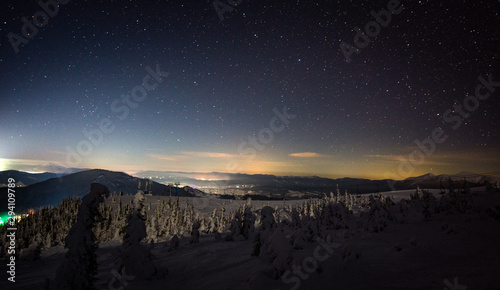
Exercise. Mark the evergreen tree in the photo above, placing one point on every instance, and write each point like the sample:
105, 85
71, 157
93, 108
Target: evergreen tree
248, 227
278, 252
378, 216
79, 268
267, 223
136, 258
195, 233
214, 222
174, 243
415, 196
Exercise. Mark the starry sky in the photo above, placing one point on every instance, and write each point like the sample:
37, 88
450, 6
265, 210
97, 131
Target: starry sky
268, 89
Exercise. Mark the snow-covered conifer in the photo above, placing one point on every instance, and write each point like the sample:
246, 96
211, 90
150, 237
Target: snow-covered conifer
79, 267
429, 203
174, 243
136, 258
415, 196
265, 230
195, 233
278, 251
235, 228
378, 216
248, 226
213, 222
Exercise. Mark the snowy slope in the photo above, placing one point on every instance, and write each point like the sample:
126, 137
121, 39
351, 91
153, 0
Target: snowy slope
418, 254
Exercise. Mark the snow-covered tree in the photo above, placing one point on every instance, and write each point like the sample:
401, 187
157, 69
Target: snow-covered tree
332, 197
195, 233
174, 243
222, 222
334, 215
379, 215
299, 239
235, 228
429, 203
347, 200
214, 222
136, 258
456, 202
401, 211
278, 251
295, 216
79, 267
248, 226
415, 196
267, 223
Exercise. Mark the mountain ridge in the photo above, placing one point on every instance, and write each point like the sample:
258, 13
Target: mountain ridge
356, 185
53, 187
52, 191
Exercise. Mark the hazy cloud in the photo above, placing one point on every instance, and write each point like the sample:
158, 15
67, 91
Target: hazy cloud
209, 154
163, 157
307, 155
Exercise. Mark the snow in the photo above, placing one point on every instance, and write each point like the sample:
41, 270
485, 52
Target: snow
448, 249
79, 264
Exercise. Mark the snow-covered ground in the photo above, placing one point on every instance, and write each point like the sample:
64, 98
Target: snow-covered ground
447, 251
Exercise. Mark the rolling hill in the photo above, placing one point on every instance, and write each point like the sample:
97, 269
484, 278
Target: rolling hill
48, 189
458, 180
24, 178
314, 183
52, 191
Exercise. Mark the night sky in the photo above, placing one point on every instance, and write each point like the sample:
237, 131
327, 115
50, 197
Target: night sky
221, 87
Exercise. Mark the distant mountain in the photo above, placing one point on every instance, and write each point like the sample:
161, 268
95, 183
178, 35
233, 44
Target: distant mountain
52, 191
457, 180
25, 178
56, 168
315, 183
266, 182
53, 188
